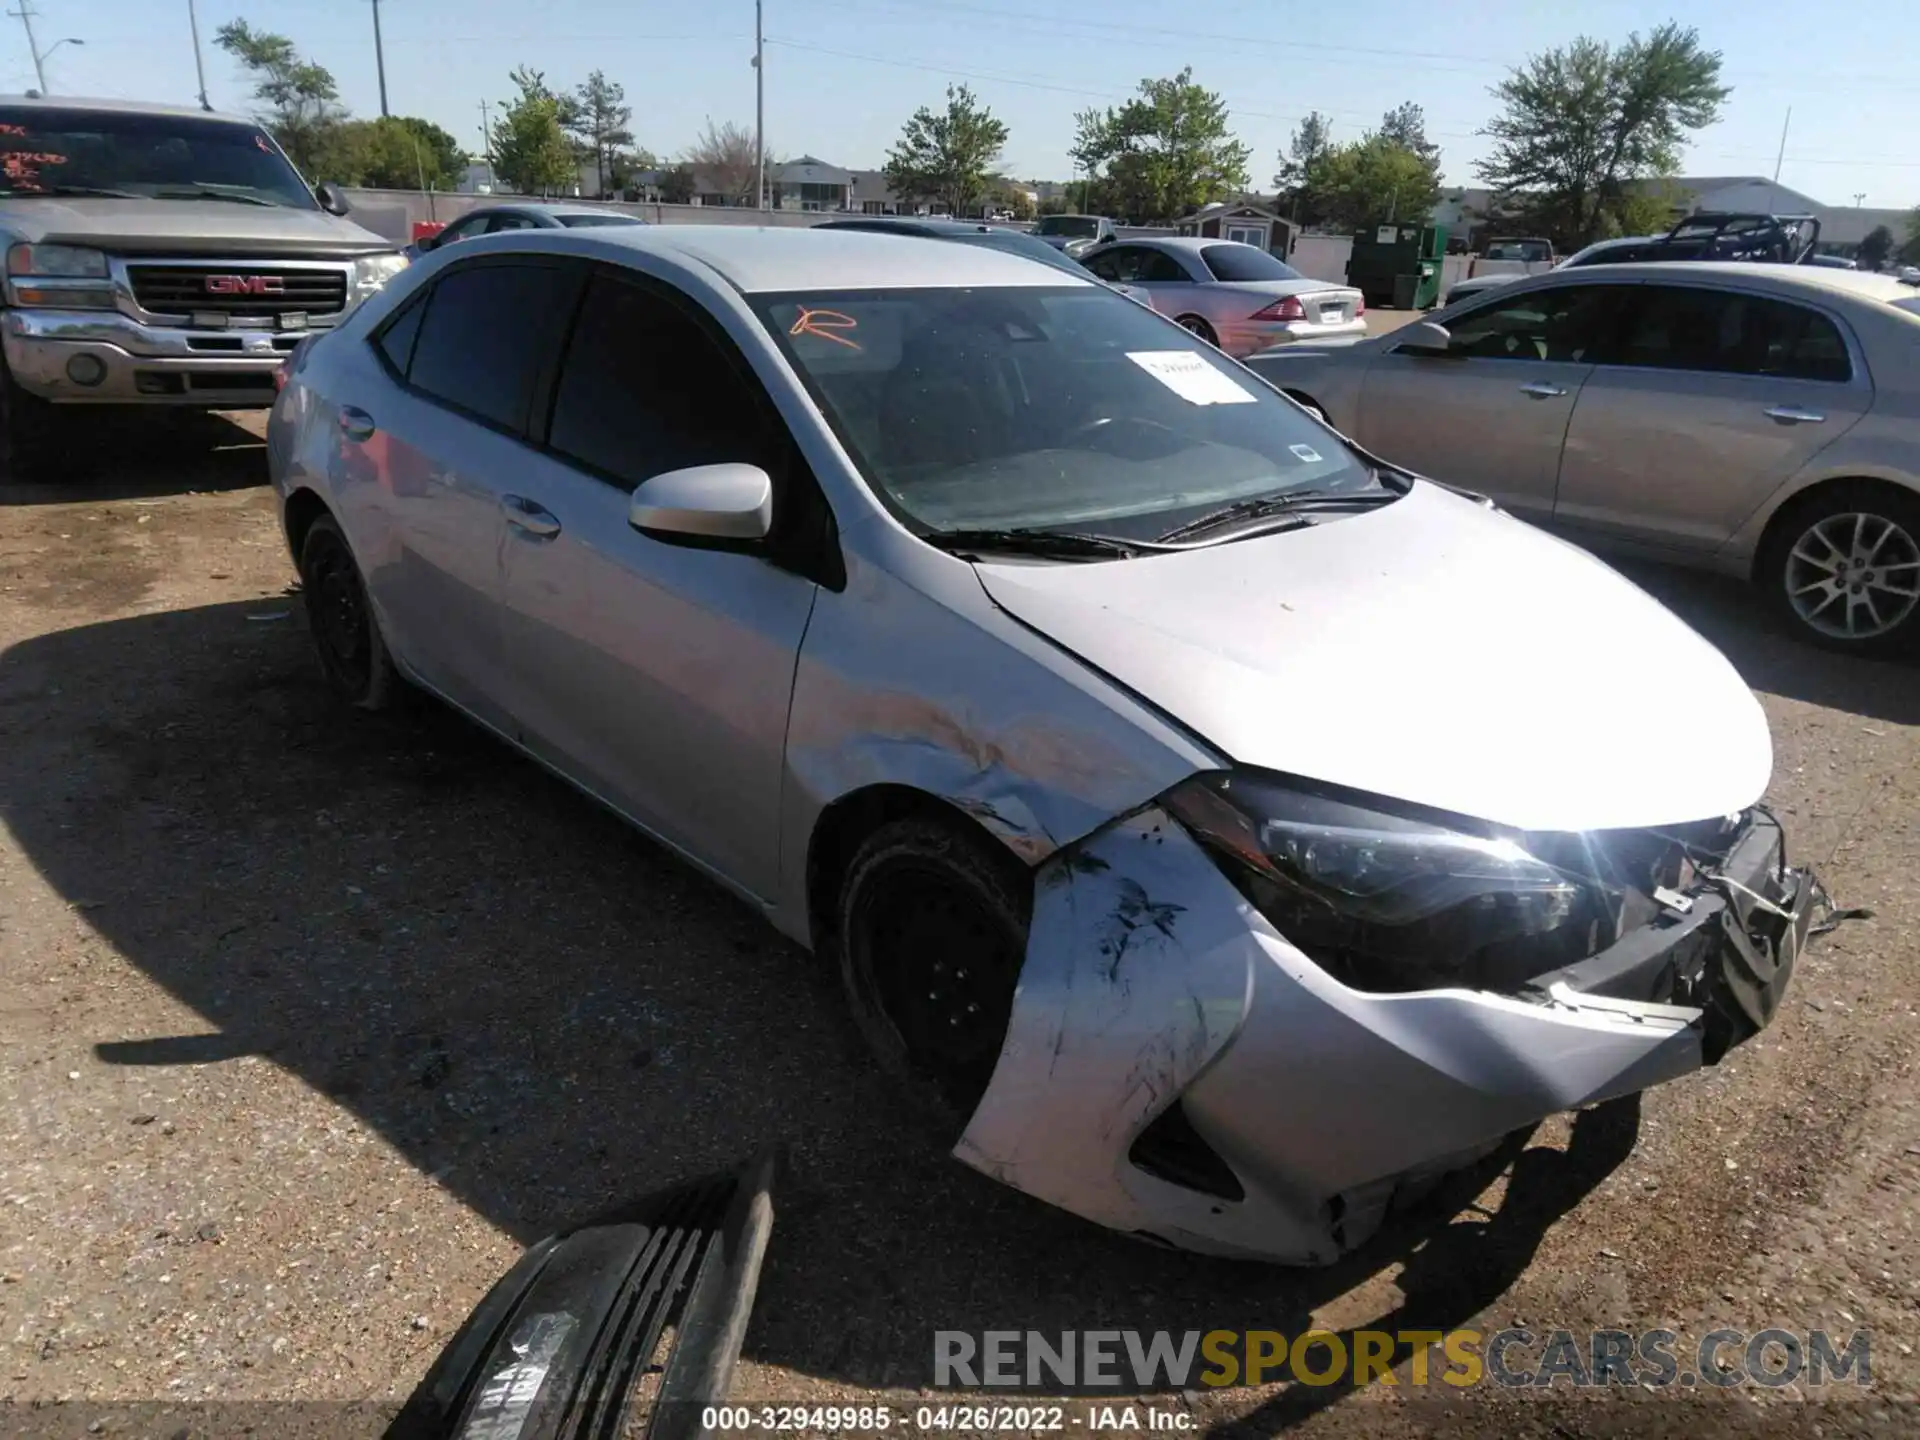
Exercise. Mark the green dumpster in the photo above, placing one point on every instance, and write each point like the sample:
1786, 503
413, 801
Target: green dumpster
1383, 254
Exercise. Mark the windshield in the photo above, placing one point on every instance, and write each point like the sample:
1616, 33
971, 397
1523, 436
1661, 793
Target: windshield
1068, 225
1014, 408
1234, 261
46, 151
574, 222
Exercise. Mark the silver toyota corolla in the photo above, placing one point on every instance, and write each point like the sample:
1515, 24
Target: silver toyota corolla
1153, 767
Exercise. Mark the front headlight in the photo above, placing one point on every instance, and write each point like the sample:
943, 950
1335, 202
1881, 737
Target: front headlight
371, 272
63, 277
1386, 902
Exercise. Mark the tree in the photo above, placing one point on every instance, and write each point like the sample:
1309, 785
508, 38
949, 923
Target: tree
949, 156
302, 103
1644, 209
1582, 121
1376, 179
1013, 198
531, 152
1875, 249
676, 185
725, 160
1302, 175
601, 119
1406, 126
1164, 153
1909, 253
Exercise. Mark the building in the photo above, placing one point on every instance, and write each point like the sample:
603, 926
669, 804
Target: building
808, 183
1242, 220
869, 194
1842, 227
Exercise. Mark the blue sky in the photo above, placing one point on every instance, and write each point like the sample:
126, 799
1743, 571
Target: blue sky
842, 75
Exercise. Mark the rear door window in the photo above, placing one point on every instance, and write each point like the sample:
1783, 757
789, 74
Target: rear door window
1690, 327
487, 333
1244, 262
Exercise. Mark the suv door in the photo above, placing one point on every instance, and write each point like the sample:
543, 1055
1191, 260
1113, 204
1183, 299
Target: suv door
1492, 412
442, 446
656, 674
1714, 397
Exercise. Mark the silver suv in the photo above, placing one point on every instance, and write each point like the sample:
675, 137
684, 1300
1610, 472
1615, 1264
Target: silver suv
158, 256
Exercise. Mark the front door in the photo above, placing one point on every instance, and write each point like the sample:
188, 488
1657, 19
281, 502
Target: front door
1716, 397
1491, 414
655, 674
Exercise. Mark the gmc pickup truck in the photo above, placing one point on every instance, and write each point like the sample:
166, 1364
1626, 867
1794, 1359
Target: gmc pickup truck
158, 256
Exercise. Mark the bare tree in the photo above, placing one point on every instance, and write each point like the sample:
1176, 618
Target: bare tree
726, 162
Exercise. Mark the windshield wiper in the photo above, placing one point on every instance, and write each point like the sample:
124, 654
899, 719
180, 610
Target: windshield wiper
200, 193
96, 190
1296, 505
1065, 544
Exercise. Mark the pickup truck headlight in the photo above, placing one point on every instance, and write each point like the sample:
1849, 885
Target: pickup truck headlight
63, 277
371, 272
1386, 902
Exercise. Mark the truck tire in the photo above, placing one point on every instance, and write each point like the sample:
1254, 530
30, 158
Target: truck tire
27, 431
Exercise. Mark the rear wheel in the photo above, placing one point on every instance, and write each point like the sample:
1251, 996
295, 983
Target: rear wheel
1199, 327
353, 653
1844, 569
1312, 407
933, 932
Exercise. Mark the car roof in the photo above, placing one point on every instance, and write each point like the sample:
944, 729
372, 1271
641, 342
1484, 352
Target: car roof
543, 207
757, 259
128, 107
1186, 244
910, 224
1863, 284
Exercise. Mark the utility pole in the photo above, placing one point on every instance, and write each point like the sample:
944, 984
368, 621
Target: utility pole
486, 135
380, 59
199, 66
1779, 160
25, 12
1860, 196
759, 112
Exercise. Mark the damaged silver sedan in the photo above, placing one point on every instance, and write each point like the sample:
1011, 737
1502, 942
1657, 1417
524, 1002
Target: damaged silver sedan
1221, 829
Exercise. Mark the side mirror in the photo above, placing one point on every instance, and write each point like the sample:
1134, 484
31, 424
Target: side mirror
332, 198
1423, 337
705, 502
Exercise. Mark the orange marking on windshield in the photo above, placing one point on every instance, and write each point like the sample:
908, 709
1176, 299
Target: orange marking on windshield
823, 324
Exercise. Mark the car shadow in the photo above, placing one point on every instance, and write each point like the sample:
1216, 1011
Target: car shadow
133, 454
550, 1015
1732, 616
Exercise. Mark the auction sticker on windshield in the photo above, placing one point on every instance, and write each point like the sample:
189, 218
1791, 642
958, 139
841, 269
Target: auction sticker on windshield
1191, 378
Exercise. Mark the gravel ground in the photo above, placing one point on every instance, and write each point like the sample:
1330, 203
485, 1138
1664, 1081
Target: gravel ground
309, 1021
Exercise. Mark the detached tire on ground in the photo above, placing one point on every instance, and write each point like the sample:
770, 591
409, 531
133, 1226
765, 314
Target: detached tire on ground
1843, 569
353, 653
29, 429
932, 924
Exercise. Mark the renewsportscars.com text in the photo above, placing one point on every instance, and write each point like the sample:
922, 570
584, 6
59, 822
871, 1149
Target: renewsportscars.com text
1083, 1361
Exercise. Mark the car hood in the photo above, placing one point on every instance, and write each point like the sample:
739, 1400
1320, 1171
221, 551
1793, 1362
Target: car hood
1433, 651
199, 227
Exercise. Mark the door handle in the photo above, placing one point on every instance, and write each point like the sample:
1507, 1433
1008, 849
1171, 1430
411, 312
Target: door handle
529, 517
356, 423
1793, 415
1541, 390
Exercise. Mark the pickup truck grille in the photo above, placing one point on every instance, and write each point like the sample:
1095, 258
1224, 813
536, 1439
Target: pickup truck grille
242, 289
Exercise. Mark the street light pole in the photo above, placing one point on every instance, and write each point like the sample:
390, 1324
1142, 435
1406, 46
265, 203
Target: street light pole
25, 12
199, 66
380, 59
759, 112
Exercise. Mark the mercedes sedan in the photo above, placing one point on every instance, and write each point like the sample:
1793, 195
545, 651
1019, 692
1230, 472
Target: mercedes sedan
1069, 690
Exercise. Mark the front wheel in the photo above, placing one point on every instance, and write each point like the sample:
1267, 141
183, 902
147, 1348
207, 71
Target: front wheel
29, 435
933, 932
1844, 571
1195, 325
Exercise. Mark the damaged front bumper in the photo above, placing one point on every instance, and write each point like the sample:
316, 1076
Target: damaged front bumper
1174, 1067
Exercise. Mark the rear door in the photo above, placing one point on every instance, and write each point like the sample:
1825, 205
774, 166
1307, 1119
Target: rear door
1713, 398
1492, 413
442, 446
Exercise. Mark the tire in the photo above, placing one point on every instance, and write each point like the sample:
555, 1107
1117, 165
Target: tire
1199, 327
1312, 407
353, 652
932, 932
1843, 569
29, 431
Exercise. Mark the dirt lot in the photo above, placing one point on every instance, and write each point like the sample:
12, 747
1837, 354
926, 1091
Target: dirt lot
309, 1021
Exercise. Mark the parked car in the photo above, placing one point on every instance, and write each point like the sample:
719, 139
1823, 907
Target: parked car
1076, 235
971, 232
1232, 295
1071, 691
1714, 235
1760, 420
496, 219
157, 256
